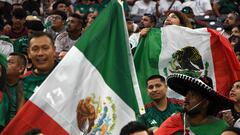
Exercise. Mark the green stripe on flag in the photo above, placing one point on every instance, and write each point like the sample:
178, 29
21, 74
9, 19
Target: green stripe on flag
146, 59
104, 45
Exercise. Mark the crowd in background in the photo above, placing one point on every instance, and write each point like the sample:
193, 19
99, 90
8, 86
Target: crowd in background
65, 21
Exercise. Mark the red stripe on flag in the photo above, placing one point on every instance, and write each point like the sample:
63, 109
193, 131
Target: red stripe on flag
31, 116
226, 65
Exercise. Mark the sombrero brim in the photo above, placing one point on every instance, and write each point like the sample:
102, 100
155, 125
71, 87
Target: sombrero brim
182, 84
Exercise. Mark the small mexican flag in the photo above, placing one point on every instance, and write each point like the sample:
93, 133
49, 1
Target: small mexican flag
93, 90
195, 52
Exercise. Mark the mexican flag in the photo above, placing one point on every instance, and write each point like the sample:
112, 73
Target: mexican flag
93, 90
195, 52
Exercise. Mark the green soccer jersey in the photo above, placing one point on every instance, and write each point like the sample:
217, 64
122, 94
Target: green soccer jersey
4, 102
21, 44
212, 128
31, 81
13, 103
154, 117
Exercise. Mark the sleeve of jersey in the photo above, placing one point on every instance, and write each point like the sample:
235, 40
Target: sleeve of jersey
58, 43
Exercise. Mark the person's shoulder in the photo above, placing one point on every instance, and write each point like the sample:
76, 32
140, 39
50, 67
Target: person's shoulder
62, 36
149, 105
139, 2
176, 101
26, 75
6, 39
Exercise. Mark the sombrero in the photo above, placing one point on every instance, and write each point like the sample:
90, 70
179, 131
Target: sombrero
182, 84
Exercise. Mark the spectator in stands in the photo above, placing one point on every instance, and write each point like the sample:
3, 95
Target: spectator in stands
234, 40
229, 23
232, 116
66, 40
16, 66
41, 51
3, 92
191, 17
58, 19
5, 9
134, 128
200, 105
164, 6
177, 18
33, 24
60, 5
236, 31
6, 44
131, 26
142, 7
90, 17
173, 18
148, 21
18, 28
32, 7
225, 6
231, 131
162, 107
87, 6
200, 7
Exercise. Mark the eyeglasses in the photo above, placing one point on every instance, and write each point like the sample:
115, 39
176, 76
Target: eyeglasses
56, 17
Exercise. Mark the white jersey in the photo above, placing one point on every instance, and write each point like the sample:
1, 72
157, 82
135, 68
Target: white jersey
140, 8
164, 6
63, 42
6, 46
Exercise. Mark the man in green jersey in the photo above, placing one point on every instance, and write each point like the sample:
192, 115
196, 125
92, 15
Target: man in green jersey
162, 107
16, 66
41, 51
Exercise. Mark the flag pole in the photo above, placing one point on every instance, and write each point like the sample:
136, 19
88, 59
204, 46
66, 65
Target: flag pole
132, 67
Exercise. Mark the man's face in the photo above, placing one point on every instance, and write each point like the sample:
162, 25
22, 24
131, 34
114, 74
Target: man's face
18, 23
146, 21
172, 19
156, 89
73, 24
130, 27
57, 21
230, 21
62, 7
140, 133
15, 68
235, 92
235, 31
42, 53
191, 100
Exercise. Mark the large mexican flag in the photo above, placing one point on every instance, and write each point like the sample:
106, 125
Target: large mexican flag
196, 52
93, 90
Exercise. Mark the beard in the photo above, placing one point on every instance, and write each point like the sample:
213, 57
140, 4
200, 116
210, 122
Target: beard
227, 27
